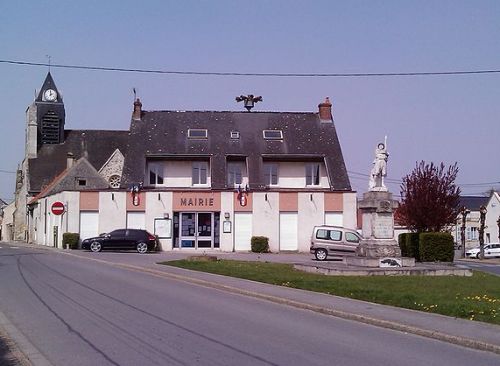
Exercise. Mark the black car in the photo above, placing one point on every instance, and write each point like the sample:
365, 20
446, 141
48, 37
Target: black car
140, 240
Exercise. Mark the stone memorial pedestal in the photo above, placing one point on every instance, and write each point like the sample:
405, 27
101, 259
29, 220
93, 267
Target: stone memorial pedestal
378, 248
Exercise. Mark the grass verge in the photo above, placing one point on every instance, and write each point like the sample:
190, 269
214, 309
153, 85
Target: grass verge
474, 298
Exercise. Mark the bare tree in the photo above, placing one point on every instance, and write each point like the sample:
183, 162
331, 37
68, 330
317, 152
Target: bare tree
430, 198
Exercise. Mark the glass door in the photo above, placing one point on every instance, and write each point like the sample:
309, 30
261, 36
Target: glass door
205, 232
196, 230
188, 230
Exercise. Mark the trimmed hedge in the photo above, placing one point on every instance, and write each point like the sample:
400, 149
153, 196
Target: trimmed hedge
71, 239
402, 244
436, 247
413, 245
260, 244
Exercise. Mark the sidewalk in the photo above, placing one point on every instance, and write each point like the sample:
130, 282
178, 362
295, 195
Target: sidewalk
462, 332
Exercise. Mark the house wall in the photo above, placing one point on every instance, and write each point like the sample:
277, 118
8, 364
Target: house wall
178, 174
492, 216
292, 175
7, 222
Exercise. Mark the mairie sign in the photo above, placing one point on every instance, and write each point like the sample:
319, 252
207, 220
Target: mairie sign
199, 201
57, 208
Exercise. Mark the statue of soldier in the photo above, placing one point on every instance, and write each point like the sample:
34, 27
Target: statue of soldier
379, 169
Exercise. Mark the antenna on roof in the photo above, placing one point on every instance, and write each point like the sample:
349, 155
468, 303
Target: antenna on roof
135, 94
49, 57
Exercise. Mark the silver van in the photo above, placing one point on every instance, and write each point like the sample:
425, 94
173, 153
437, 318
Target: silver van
333, 240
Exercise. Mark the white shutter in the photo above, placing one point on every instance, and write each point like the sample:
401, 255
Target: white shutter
89, 224
334, 218
242, 231
289, 231
136, 220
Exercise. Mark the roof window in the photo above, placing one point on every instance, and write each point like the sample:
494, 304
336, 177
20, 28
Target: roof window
235, 134
273, 134
197, 133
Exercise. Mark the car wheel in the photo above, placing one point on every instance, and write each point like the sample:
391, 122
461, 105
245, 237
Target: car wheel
95, 246
320, 254
142, 247
478, 255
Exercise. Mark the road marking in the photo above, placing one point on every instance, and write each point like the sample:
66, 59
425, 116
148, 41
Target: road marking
14, 247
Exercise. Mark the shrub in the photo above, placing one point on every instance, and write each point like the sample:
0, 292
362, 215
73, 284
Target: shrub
412, 245
260, 244
402, 244
71, 239
436, 247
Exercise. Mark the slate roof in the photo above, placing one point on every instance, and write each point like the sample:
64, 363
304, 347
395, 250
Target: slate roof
164, 134
95, 145
473, 203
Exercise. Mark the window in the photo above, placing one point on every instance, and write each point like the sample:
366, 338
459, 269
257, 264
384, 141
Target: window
335, 235
312, 174
351, 238
233, 174
114, 181
271, 174
197, 133
273, 134
200, 172
82, 182
235, 134
156, 173
472, 233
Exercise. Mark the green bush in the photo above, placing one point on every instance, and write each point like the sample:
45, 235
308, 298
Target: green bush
71, 239
402, 244
412, 245
436, 247
260, 244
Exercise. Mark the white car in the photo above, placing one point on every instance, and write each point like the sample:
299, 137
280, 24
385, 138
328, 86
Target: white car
490, 250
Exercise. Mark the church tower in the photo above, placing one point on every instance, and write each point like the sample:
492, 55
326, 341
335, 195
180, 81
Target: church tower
50, 114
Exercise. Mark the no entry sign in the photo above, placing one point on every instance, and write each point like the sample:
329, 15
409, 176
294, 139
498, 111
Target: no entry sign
57, 208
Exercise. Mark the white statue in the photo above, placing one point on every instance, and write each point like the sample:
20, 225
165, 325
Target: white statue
379, 170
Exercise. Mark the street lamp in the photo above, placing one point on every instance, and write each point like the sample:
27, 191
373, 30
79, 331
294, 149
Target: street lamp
482, 219
464, 211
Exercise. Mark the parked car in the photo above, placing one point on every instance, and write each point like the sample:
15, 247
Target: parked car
333, 240
140, 240
490, 250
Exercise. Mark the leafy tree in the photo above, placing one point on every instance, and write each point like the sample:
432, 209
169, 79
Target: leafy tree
430, 198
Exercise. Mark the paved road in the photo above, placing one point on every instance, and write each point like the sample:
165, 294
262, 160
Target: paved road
81, 312
488, 265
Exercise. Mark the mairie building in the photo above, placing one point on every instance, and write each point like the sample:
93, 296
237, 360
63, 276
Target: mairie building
199, 180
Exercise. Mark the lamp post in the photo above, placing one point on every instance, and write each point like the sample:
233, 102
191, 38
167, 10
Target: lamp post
482, 219
464, 211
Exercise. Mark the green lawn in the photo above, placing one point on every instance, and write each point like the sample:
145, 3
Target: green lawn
475, 298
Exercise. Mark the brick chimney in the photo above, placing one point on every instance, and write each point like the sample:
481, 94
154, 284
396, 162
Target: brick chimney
325, 111
136, 115
70, 159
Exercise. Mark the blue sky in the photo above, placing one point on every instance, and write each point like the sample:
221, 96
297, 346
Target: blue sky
439, 119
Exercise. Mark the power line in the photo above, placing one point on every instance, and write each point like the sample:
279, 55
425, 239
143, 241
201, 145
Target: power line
7, 171
212, 73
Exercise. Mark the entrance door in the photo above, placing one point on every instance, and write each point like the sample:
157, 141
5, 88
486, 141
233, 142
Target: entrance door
196, 230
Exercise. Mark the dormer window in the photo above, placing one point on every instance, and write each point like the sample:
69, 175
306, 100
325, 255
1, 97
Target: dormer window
156, 172
197, 133
82, 182
273, 134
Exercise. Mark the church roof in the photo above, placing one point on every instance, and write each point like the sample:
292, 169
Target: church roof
95, 145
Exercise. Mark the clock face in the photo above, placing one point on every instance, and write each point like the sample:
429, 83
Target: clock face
50, 95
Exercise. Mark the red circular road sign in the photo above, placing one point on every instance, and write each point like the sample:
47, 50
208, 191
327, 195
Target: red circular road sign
57, 208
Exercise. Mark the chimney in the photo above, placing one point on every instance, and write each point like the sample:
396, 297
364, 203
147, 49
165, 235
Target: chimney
137, 110
70, 159
325, 111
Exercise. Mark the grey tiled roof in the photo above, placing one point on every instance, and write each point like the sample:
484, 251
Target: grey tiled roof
473, 203
164, 133
96, 145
